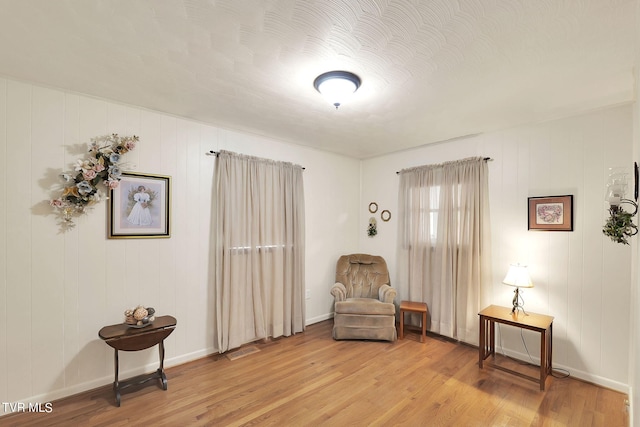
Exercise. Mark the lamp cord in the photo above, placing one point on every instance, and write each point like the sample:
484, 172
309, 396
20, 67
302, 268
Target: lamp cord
562, 373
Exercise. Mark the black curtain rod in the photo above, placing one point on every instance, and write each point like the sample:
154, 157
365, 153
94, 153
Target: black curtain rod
215, 153
486, 159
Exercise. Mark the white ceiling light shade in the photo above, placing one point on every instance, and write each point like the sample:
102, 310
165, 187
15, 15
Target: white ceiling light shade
336, 86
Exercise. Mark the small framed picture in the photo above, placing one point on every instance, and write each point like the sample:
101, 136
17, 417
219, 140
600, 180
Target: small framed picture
139, 207
552, 213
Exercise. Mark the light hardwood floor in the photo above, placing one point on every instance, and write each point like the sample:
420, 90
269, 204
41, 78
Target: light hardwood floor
310, 380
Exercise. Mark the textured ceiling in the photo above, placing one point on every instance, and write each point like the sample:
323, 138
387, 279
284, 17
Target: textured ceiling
431, 70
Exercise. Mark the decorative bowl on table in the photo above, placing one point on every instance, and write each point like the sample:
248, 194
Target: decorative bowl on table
139, 317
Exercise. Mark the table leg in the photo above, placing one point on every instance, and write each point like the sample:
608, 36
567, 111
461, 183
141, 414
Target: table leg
543, 359
424, 327
116, 383
550, 349
482, 341
163, 377
401, 324
492, 338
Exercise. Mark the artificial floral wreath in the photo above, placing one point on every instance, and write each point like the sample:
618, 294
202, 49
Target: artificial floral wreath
101, 167
619, 227
550, 214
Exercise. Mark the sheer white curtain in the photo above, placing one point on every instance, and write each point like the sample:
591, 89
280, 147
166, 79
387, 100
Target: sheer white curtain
444, 255
259, 249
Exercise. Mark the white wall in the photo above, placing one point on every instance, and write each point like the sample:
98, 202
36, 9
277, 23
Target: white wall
58, 289
581, 277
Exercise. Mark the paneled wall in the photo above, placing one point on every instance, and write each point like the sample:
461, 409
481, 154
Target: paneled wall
58, 289
581, 277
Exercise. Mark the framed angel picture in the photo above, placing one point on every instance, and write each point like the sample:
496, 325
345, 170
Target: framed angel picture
139, 207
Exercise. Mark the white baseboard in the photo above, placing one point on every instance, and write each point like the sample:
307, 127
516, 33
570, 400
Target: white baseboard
318, 319
584, 376
99, 382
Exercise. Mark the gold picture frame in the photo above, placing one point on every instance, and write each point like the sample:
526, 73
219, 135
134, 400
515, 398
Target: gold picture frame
139, 208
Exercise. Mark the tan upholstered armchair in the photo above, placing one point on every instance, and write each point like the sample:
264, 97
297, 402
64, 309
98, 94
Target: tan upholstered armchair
364, 306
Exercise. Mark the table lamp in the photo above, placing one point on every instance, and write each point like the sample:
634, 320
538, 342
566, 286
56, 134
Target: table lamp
518, 276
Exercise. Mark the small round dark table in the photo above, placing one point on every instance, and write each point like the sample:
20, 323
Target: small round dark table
126, 338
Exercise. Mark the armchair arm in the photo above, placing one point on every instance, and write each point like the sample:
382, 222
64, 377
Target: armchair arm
386, 293
339, 292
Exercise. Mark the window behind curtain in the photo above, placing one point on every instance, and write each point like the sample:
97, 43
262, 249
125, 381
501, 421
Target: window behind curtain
425, 201
258, 236
444, 257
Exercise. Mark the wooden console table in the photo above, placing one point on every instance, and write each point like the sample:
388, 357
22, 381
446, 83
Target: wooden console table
531, 321
125, 338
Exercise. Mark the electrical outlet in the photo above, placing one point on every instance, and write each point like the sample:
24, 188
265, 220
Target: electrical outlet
307, 294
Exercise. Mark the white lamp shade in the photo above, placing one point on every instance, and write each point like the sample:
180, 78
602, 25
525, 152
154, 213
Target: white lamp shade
518, 276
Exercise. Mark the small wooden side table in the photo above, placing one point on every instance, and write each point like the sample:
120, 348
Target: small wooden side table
414, 307
534, 322
125, 338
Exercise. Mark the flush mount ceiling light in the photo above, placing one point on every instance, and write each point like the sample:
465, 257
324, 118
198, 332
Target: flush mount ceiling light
336, 86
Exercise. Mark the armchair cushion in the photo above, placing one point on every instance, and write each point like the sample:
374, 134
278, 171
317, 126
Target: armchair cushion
362, 275
365, 306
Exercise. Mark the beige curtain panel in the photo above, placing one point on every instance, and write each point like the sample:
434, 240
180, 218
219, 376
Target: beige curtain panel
258, 236
444, 256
